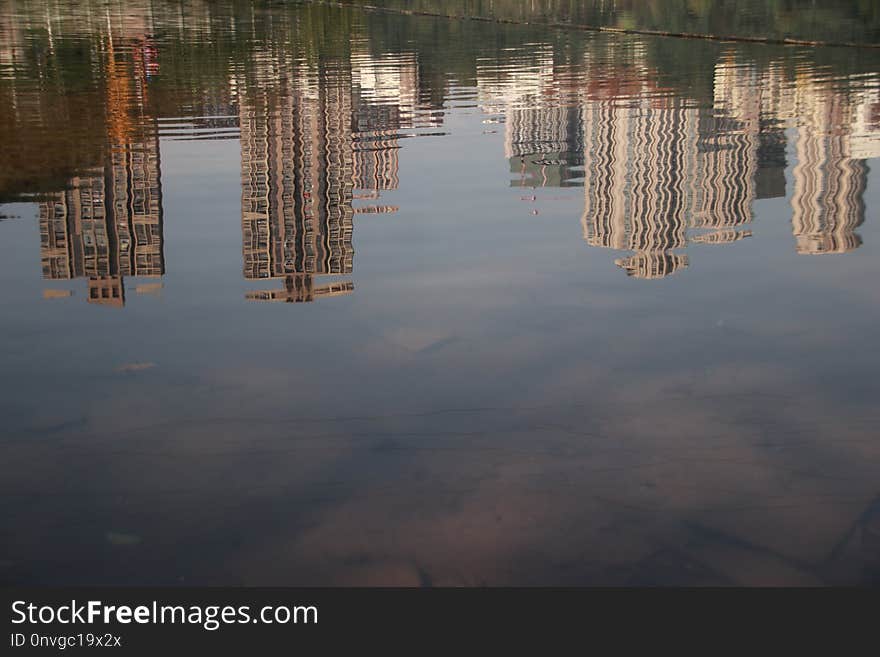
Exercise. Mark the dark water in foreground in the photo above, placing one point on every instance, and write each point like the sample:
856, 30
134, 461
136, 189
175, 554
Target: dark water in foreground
564, 308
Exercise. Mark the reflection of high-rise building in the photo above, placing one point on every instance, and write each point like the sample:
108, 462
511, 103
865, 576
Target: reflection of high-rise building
829, 185
730, 142
828, 203
639, 167
297, 180
385, 101
314, 140
107, 224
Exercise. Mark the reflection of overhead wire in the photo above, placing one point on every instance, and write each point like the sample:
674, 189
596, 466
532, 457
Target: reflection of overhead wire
601, 28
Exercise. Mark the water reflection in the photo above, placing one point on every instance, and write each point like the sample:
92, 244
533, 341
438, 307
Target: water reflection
660, 174
486, 388
662, 169
107, 225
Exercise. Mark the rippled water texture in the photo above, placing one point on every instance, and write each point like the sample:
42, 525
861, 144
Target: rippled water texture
307, 294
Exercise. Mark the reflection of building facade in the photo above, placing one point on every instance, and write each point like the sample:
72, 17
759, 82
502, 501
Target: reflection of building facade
385, 101
662, 173
297, 183
828, 202
107, 225
829, 184
640, 168
320, 139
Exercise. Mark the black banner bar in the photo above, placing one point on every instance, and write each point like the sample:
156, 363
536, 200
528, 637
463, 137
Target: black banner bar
242, 620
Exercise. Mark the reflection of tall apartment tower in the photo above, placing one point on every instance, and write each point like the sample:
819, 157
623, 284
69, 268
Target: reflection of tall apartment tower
639, 164
729, 150
107, 225
78, 238
297, 163
385, 100
829, 186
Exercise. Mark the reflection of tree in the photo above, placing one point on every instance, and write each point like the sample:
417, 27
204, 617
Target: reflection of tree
828, 20
192, 52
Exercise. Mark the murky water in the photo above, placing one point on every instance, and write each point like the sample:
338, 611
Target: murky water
315, 295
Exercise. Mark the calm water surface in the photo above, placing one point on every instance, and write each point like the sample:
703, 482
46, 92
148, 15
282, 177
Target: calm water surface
301, 294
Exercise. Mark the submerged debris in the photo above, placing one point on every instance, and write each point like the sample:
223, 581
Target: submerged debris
135, 367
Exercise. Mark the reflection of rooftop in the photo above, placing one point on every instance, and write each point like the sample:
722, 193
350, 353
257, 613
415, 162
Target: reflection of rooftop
107, 291
377, 209
148, 288
57, 294
652, 265
301, 289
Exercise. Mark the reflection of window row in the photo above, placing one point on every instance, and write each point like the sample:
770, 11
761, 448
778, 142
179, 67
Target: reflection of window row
107, 225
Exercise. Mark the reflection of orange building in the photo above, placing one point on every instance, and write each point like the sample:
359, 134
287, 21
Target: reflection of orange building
108, 223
